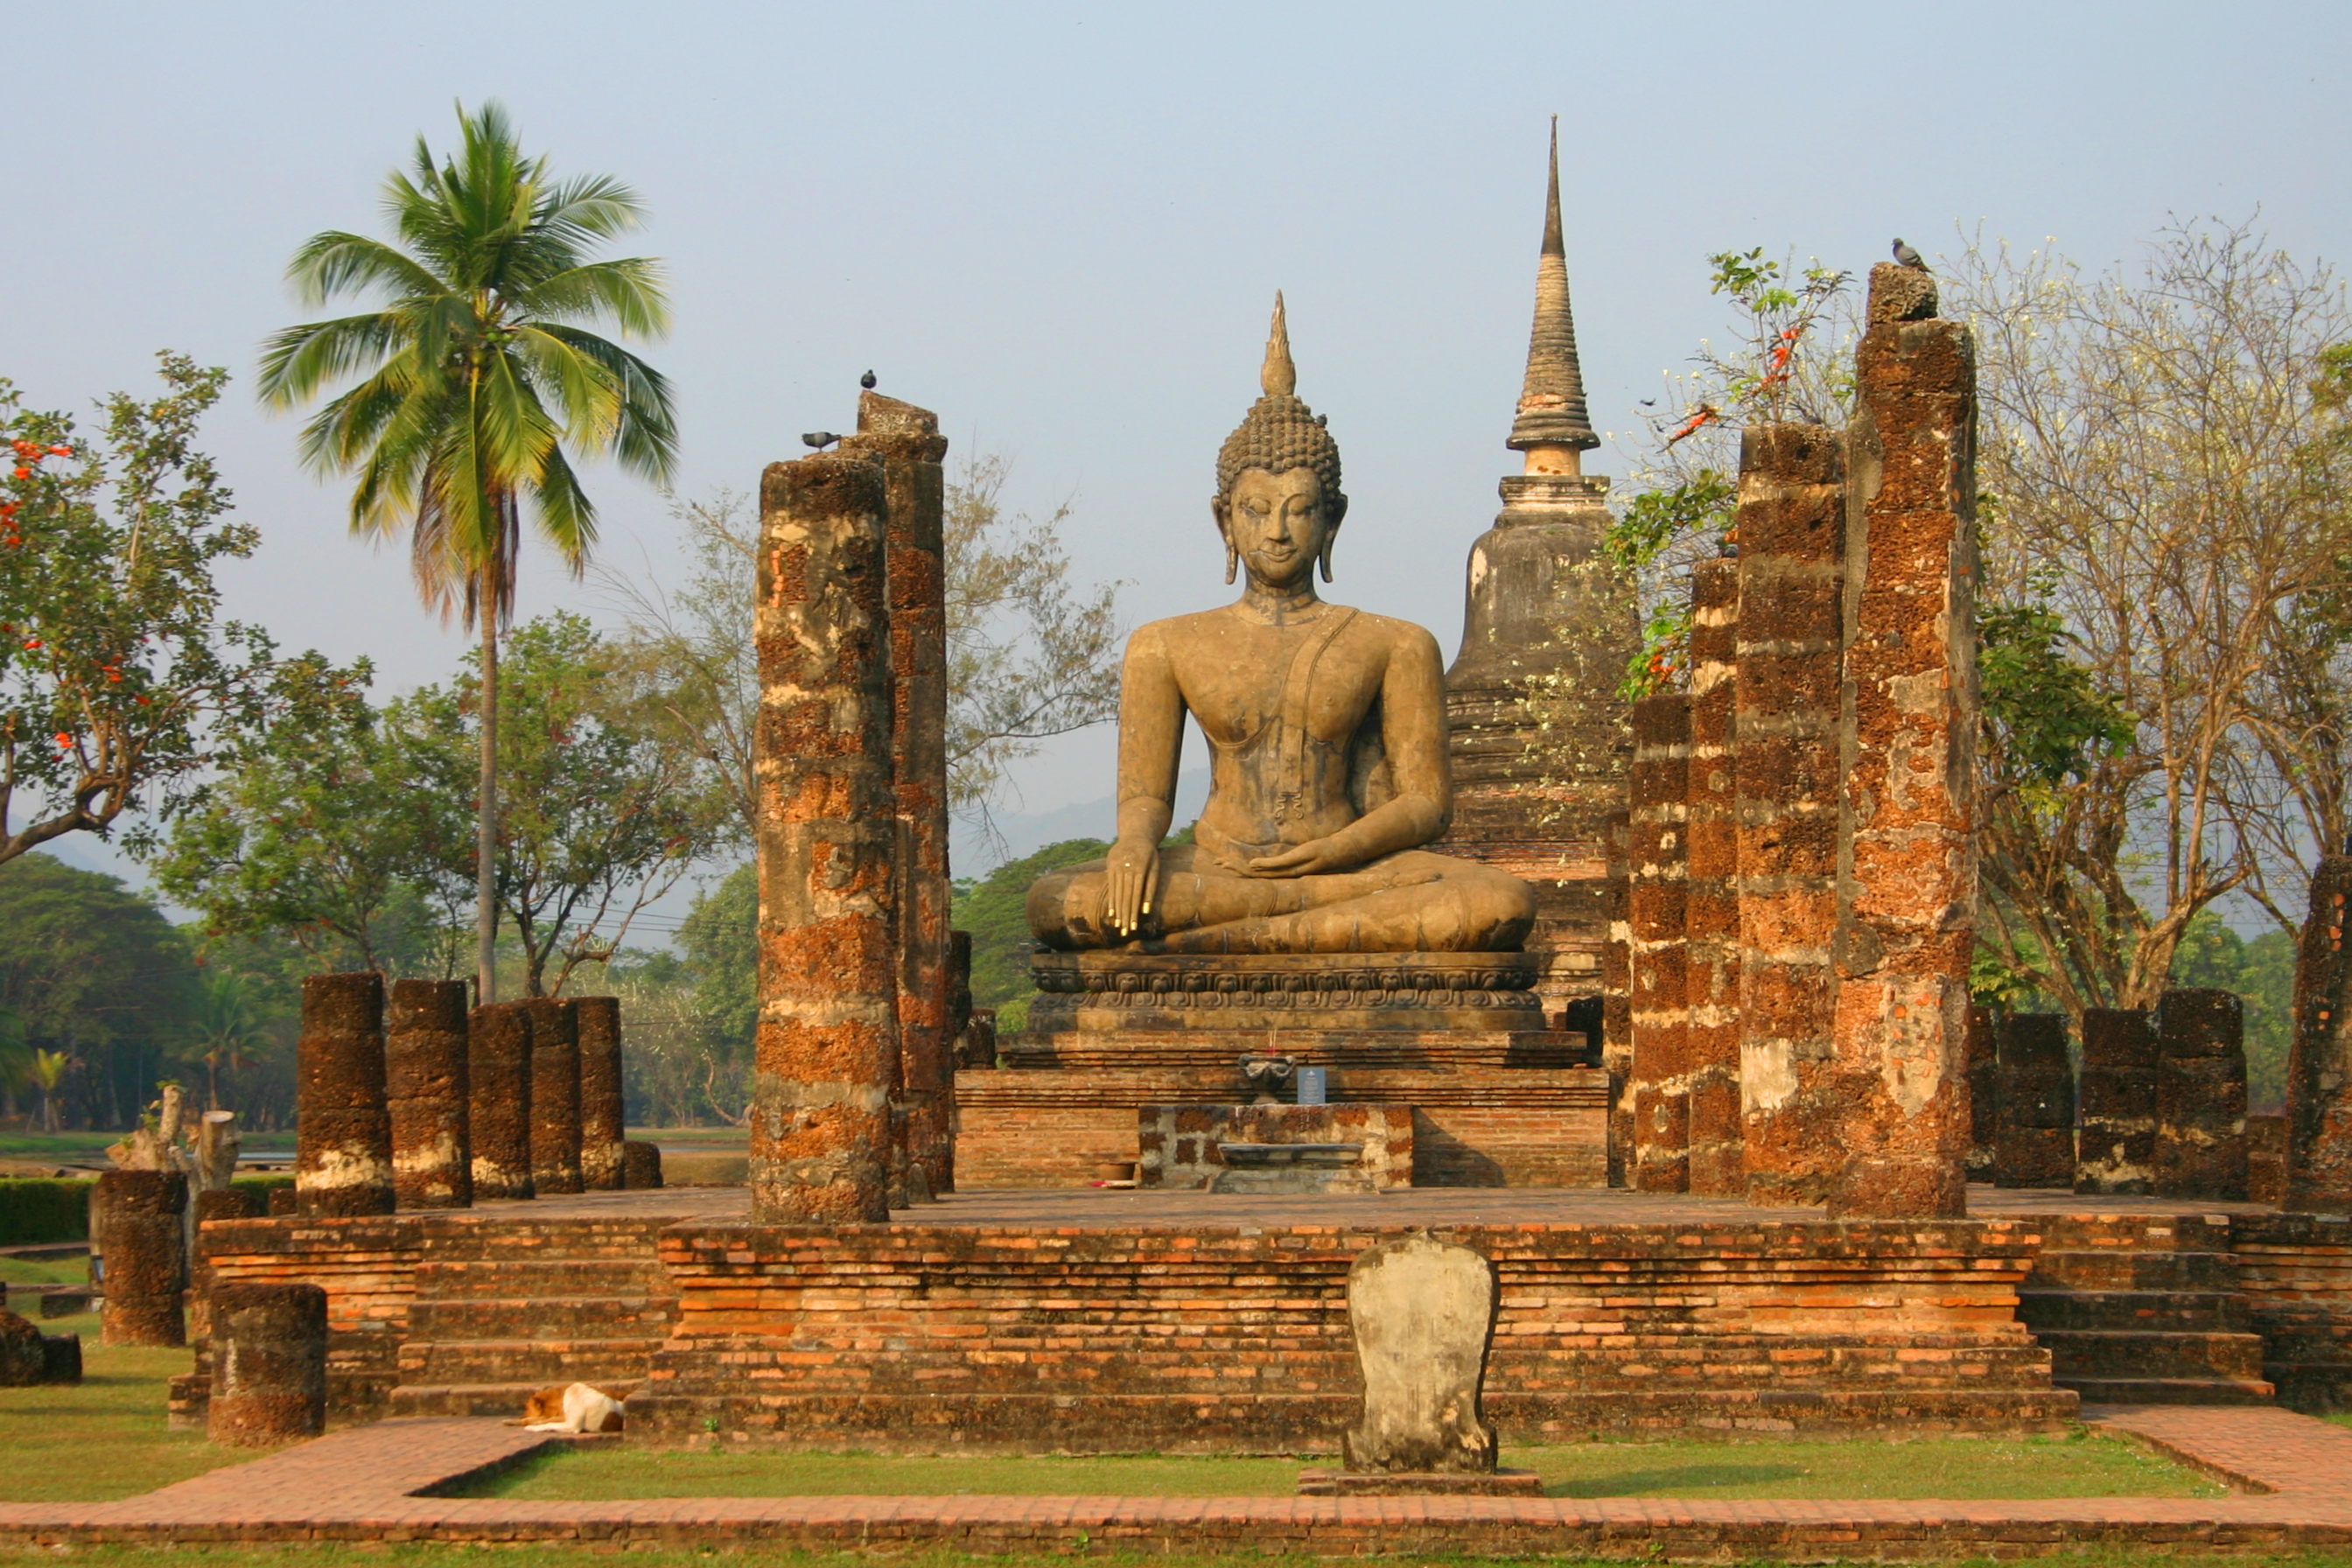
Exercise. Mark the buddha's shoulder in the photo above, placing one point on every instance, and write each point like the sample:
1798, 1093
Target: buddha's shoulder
1361, 625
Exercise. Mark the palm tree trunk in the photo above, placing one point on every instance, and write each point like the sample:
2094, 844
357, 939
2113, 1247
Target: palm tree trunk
485, 832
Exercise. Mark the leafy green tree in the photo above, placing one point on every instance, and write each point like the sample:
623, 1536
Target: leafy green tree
228, 1032
475, 377
119, 682
604, 817
992, 909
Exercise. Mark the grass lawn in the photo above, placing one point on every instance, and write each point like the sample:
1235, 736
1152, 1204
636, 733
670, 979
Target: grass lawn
89, 1148
2080, 1465
44, 1271
105, 1439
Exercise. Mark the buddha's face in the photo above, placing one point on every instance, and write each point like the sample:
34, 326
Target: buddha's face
1276, 524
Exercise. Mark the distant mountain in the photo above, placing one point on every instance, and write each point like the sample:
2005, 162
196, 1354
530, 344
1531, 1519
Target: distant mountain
972, 853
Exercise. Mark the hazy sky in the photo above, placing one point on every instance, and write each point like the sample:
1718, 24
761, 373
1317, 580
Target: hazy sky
1061, 226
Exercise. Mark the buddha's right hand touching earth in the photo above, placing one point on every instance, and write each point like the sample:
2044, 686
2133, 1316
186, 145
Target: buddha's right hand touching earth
1130, 883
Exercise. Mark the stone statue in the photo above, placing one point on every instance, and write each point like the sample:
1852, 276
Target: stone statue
1326, 737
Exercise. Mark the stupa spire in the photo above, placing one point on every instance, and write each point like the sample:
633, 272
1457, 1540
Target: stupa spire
1552, 425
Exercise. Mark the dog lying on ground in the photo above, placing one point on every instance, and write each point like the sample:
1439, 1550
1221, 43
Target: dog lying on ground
574, 1407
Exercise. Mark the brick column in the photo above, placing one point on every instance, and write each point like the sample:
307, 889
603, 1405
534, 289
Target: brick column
141, 1239
1908, 854
1658, 1084
2034, 1143
908, 440
2319, 1059
1984, 1095
2200, 1096
827, 1049
2114, 1102
601, 1130
497, 1081
343, 1149
1617, 995
554, 1096
425, 1091
269, 1365
1711, 907
1791, 523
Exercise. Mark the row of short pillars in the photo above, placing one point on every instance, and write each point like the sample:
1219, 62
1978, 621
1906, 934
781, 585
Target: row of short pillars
2158, 1106
426, 1104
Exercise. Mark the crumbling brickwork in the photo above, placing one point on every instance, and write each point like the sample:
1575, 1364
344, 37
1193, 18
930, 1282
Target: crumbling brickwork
2114, 1138
601, 1128
268, 1364
342, 1158
1659, 1086
1711, 900
554, 1095
2200, 1096
497, 1080
2319, 1065
2034, 1144
425, 1093
140, 1238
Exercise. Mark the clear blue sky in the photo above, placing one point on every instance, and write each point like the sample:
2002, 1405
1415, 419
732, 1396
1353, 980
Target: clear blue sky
1061, 226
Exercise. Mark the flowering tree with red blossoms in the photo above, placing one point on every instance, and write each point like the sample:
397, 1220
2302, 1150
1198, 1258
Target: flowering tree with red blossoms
121, 688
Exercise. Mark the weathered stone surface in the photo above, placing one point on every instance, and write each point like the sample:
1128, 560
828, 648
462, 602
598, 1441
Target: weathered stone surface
908, 441
1423, 1312
140, 1240
2200, 1096
23, 1360
1908, 827
828, 1055
1984, 1094
425, 1090
2035, 1146
1711, 907
1658, 901
497, 1078
1180, 1145
2115, 1139
268, 1365
2319, 1062
61, 1358
601, 1117
1617, 996
641, 1166
1120, 992
2266, 1160
554, 1095
342, 1159
1791, 523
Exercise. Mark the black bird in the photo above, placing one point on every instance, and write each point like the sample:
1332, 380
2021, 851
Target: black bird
867, 381
820, 439
1908, 257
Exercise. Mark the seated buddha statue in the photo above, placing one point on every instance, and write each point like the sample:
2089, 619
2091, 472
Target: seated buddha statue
1326, 736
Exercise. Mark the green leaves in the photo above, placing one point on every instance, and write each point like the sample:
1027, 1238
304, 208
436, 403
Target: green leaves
2045, 719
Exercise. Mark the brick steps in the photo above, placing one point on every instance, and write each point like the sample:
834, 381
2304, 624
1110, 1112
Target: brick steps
2145, 1309
544, 1318
2190, 1311
2135, 1352
2170, 1390
504, 1400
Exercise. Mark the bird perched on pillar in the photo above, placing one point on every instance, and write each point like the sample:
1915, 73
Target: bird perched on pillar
820, 439
1909, 257
867, 381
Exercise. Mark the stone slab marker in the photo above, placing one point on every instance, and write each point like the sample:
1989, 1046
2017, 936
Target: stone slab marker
827, 1050
2319, 1059
498, 1075
2114, 1102
425, 1091
1617, 995
1908, 856
2034, 1143
1984, 1095
600, 1114
1423, 1311
268, 1365
640, 1165
1711, 906
2200, 1096
1659, 1086
342, 1153
908, 440
1791, 522
554, 1095
141, 1239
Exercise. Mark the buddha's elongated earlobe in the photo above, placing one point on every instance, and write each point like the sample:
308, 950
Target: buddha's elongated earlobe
1324, 557
1233, 561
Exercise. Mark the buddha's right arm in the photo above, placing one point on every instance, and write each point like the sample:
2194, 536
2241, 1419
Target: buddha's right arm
1151, 744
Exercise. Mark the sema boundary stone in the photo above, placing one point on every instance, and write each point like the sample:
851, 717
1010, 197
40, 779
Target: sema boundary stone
641, 1166
2319, 1062
425, 1092
601, 1106
1423, 1311
498, 1076
268, 1365
342, 1158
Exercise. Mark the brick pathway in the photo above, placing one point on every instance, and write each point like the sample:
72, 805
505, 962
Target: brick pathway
364, 1484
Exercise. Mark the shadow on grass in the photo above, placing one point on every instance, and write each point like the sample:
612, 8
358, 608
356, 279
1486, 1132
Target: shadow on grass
1677, 1480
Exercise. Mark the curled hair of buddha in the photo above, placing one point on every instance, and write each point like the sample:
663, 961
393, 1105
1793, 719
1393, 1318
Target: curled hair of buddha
1280, 433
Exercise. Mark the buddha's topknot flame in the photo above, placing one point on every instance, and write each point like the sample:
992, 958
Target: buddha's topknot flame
1281, 433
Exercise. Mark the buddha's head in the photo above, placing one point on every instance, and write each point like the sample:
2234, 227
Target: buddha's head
1278, 502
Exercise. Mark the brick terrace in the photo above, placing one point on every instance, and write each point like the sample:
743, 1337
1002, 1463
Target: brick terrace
2294, 1476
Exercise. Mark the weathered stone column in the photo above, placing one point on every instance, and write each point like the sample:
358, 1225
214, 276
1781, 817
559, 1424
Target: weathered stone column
1908, 856
908, 440
554, 1095
498, 1076
2319, 1059
2114, 1102
2200, 1096
1791, 523
600, 1113
1711, 907
269, 1365
425, 1091
1984, 1095
2034, 1144
1660, 1086
640, 1165
141, 1244
828, 1034
342, 1151
1617, 993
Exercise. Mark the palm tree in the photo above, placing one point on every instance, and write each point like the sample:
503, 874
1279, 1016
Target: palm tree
226, 1028
476, 376
47, 1071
